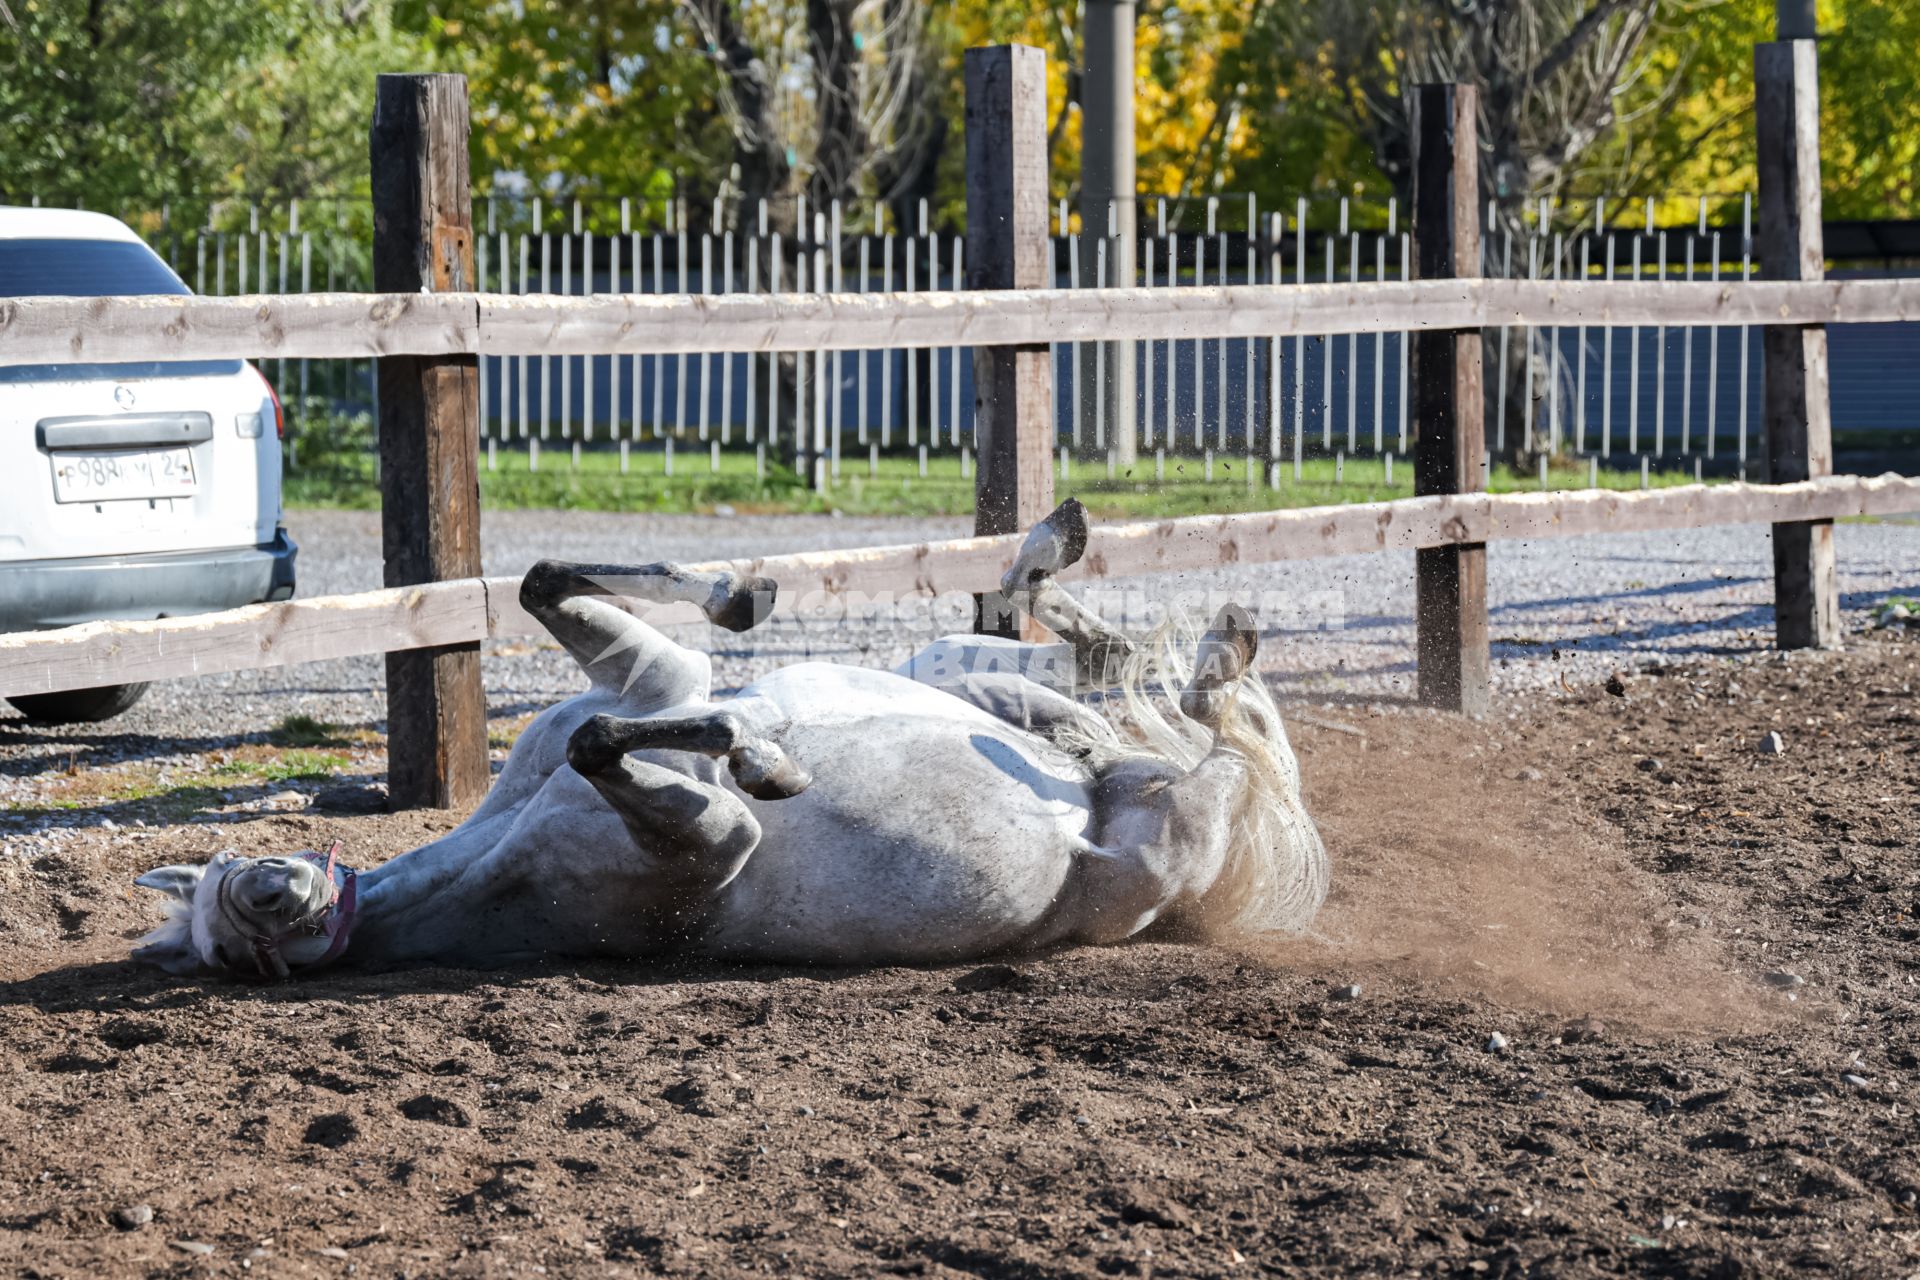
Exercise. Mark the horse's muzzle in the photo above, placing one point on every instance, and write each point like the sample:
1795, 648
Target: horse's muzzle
286, 889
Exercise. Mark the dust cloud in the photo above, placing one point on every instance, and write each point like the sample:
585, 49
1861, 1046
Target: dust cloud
1449, 870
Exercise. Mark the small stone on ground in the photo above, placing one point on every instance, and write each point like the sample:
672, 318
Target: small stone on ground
1585, 1031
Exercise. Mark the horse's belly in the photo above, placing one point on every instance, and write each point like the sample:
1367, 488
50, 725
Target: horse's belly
920, 839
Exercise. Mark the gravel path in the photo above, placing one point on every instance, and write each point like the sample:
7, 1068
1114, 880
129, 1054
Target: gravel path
1579, 609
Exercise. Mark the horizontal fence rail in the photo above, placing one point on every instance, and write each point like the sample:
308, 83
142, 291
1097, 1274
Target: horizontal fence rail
314, 326
466, 610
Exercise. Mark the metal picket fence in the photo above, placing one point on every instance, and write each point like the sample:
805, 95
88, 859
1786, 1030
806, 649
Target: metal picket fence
1608, 396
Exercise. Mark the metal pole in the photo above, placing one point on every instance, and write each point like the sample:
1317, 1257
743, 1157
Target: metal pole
1107, 191
1794, 19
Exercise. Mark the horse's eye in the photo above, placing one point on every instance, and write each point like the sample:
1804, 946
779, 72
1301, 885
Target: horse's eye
220, 954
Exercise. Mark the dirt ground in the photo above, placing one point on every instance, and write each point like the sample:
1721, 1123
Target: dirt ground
1701, 960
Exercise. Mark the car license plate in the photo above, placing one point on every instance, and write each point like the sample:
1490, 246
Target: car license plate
122, 474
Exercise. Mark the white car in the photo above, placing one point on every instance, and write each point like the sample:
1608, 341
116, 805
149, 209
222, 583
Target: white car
127, 491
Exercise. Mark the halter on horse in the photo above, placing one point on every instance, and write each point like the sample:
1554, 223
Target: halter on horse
334, 922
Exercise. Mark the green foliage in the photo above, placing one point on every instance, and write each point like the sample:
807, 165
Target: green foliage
1871, 113
135, 103
330, 448
1252, 96
579, 97
1870, 118
1688, 129
131, 104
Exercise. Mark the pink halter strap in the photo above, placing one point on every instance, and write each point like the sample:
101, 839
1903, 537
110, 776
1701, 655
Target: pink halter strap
337, 929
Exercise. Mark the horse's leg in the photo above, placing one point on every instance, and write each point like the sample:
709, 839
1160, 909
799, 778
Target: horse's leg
762, 769
700, 833
1225, 654
1023, 701
1164, 836
569, 600
1161, 839
1051, 547
998, 674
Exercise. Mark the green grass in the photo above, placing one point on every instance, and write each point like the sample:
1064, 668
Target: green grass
597, 484
176, 794
1897, 611
298, 730
289, 767
122, 793
304, 731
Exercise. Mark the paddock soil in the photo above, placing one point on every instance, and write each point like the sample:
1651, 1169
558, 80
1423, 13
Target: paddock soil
1700, 958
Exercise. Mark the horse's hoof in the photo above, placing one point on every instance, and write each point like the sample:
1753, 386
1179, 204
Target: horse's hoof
1225, 654
595, 744
743, 604
765, 772
545, 584
1233, 636
1069, 520
1053, 546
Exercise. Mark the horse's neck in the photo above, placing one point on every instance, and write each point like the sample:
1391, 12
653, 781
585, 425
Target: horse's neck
401, 898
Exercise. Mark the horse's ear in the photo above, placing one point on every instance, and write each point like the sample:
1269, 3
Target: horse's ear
170, 947
178, 881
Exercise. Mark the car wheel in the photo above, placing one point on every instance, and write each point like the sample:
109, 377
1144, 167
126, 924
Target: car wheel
78, 706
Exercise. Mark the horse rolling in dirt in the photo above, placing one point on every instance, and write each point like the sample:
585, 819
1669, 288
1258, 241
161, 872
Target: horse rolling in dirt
966, 805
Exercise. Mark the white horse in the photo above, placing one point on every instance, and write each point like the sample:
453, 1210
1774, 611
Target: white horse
961, 807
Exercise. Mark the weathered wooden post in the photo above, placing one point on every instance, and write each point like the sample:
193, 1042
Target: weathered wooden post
1451, 582
429, 428
1007, 248
1806, 600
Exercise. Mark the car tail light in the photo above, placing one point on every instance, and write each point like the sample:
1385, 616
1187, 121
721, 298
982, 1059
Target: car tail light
279, 414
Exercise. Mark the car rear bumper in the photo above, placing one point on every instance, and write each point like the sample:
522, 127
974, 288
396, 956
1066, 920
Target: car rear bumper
37, 594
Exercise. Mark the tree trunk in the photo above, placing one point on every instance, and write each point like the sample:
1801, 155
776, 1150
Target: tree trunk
758, 159
842, 147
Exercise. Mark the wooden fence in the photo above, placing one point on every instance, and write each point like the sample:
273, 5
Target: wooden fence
467, 610
363, 325
428, 329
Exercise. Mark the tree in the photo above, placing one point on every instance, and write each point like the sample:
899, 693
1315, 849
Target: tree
822, 97
135, 103
1703, 140
1555, 77
1202, 82
579, 97
1870, 115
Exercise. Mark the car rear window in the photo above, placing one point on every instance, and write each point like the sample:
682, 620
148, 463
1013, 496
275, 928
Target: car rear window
89, 268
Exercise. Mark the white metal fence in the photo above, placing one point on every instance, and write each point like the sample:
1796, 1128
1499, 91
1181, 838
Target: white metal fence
1619, 395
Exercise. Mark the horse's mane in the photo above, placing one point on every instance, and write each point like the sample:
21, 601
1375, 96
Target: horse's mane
1276, 873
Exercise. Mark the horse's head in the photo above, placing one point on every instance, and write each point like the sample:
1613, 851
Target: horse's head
250, 915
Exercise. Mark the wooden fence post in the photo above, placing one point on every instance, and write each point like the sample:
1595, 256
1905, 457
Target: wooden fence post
429, 427
1806, 600
1008, 248
1450, 582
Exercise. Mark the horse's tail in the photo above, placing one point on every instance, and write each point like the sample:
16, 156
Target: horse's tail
1275, 876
